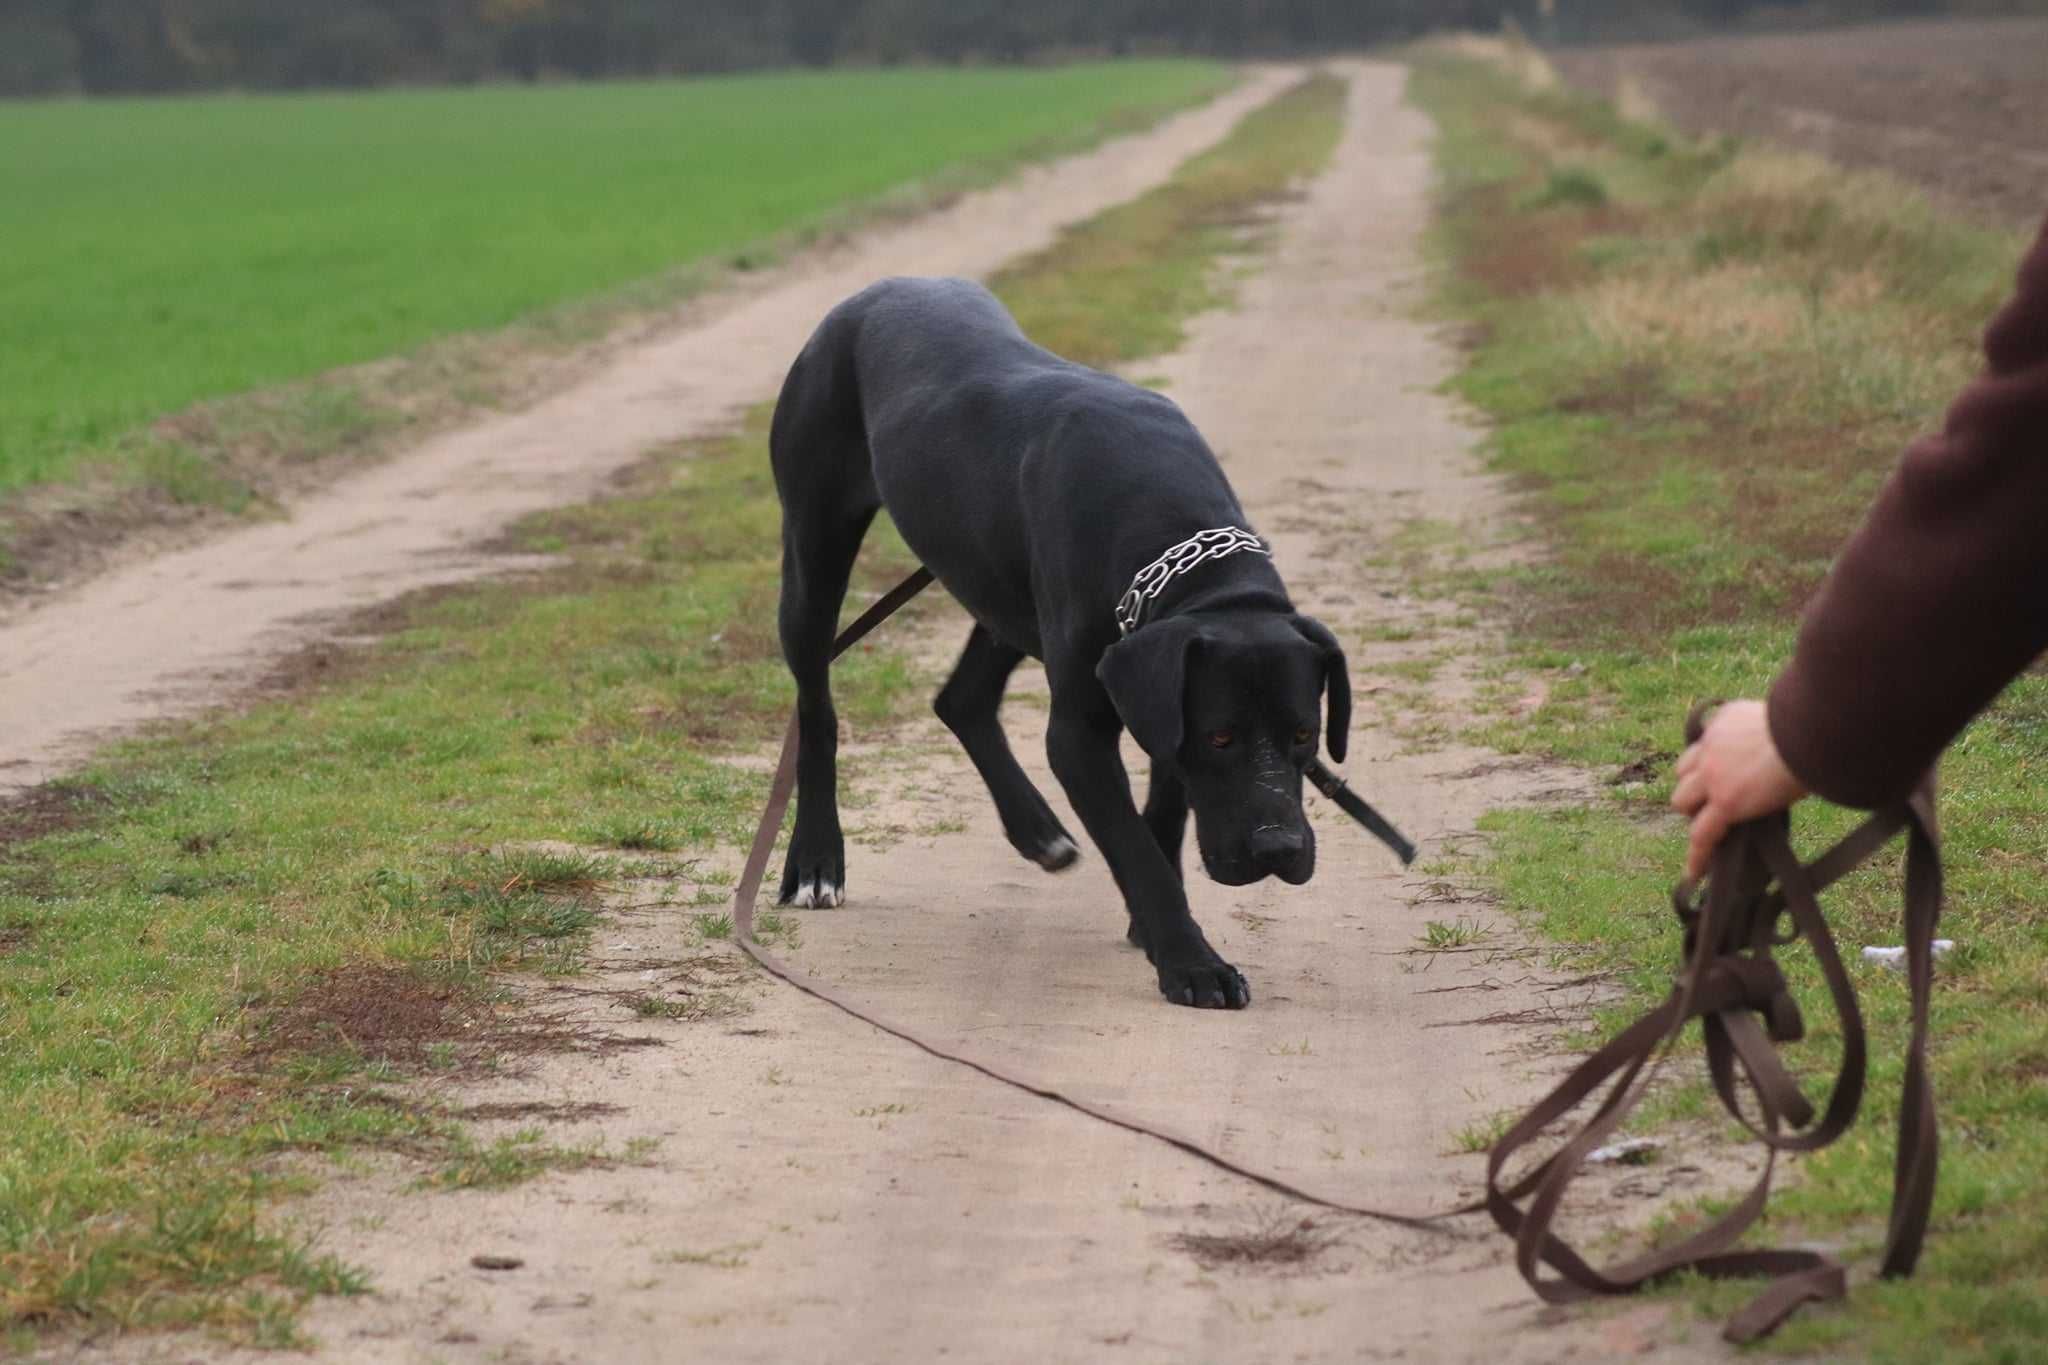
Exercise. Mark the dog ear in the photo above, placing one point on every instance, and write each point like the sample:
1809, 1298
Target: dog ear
1146, 676
1337, 678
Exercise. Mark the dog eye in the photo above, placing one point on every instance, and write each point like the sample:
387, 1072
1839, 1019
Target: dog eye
1221, 739
1303, 735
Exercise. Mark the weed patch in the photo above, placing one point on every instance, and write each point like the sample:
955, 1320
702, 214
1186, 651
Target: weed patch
511, 1160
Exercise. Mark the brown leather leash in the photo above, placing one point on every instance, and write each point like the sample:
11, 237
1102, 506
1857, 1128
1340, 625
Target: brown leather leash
1729, 980
1732, 984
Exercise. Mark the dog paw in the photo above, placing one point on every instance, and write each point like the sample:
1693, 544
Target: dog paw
816, 882
1206, 985
818, 895
1057, 854
1043, 841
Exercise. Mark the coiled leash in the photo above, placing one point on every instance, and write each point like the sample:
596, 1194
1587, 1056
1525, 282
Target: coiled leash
1728, 981
1732, 984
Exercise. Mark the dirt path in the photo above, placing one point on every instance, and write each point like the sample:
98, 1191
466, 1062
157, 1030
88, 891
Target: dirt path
819, 1191
162, 638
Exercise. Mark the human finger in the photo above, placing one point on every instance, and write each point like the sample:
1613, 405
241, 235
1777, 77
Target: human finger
1708, 828
1690, 793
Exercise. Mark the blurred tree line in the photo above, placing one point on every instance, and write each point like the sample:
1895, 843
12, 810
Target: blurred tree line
112, 46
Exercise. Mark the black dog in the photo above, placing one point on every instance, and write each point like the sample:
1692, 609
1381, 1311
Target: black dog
1065, 509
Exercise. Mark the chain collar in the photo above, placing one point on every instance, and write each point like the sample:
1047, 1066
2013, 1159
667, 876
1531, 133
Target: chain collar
1198, 548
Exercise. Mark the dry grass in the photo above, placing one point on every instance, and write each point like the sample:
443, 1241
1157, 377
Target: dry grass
1509, 52
1718, 350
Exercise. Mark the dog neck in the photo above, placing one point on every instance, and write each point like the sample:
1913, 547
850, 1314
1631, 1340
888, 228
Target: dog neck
1158, 580
1190, 595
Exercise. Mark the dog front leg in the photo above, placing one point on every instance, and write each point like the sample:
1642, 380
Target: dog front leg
1082, 744
1166, 815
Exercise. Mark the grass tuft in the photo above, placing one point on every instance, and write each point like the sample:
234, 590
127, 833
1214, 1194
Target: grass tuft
1442, 936
510, 1160
1481, 1134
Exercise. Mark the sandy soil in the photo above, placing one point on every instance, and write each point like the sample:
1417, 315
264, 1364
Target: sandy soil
819, 1191
161, 638
1960, 107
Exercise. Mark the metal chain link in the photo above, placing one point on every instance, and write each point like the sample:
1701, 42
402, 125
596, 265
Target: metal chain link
1196, 549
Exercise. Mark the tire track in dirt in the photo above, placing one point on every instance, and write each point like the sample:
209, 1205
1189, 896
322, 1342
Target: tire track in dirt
173, 635
820, 1191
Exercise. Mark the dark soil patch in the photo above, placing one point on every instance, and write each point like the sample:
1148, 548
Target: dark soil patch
49, 809
49, 537
1278, 1240
381, 1013
1644, 769
397, 1016
322, 664
573, 1112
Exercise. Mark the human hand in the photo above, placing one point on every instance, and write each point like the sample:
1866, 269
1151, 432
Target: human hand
1731, 775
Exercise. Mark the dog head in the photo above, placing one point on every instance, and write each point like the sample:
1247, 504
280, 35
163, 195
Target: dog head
1230, 701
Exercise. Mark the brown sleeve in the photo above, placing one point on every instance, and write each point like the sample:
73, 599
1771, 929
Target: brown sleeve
1941, 597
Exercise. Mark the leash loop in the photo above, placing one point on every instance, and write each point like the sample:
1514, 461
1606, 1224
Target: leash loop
1730, 981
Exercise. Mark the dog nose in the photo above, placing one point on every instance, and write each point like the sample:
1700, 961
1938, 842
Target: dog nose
1275, 846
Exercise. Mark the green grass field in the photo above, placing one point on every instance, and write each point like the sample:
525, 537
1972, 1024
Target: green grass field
160, 252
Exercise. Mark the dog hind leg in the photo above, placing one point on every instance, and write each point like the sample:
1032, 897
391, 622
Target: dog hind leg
968, 704
823, 474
